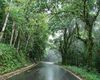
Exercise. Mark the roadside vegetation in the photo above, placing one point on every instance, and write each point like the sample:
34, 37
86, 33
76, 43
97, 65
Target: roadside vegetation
10, 60
23, 34
83, 73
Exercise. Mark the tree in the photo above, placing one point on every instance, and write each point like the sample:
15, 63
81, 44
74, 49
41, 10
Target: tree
89, 18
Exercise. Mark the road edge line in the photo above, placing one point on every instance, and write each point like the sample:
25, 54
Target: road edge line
71, 73
16, 72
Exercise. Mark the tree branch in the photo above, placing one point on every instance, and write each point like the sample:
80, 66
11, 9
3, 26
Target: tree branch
78, 35
95, 17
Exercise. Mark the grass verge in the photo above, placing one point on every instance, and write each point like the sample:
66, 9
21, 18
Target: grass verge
83, 73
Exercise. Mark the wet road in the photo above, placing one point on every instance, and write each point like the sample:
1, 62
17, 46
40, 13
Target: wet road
45, 71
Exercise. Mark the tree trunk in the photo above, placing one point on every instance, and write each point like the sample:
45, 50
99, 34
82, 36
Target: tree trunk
27, 42
88, 42
16, 35
12, 34
61, 49
18, 46
64, 59
89, 48
4, 27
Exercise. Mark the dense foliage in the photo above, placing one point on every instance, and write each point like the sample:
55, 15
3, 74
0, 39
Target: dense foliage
10, 59
24, 28
77, 22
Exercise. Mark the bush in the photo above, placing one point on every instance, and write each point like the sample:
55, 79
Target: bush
10, 59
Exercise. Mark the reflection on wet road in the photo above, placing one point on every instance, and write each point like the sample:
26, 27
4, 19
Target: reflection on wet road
45, 71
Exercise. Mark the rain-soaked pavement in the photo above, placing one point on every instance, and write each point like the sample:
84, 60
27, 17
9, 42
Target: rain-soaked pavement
45, 71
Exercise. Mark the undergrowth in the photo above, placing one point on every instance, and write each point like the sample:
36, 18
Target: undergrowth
10, 60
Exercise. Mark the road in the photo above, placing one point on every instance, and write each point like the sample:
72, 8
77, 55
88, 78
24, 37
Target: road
45, 71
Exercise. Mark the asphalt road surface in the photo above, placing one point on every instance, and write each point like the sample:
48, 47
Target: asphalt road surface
45, 71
